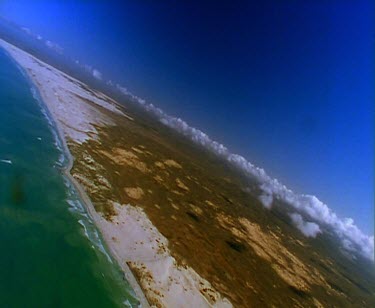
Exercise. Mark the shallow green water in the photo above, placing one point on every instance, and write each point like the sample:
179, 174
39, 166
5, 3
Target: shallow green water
50, 252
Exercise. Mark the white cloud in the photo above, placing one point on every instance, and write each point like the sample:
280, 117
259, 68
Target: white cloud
92, 70
266, 198
98, 75
309, 229
124, 90
26, 30
54, 47
31, 33
352, 239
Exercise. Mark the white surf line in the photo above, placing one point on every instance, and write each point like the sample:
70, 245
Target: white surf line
6, 161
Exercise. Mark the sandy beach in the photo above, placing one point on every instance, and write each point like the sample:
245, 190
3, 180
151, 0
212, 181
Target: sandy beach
180, 222
132, 239
22, 58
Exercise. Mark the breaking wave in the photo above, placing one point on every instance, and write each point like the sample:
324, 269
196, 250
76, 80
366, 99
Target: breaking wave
6, 161
89, 229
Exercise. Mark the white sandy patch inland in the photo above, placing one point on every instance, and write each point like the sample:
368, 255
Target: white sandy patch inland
134, 192
139, 244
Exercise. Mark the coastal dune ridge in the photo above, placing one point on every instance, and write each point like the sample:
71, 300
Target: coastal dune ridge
77, 113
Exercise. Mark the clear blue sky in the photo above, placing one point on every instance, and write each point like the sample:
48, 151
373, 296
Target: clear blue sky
287, 84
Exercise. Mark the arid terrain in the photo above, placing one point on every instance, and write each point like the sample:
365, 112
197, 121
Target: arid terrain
247, 253
184, 221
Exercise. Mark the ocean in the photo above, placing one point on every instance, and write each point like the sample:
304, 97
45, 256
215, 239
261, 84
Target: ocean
51, 254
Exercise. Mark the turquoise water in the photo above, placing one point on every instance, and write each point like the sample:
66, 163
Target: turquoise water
50, 252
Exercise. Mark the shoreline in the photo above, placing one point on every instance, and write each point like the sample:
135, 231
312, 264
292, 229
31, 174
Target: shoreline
181, 228
93, 215
66, 169
156, 276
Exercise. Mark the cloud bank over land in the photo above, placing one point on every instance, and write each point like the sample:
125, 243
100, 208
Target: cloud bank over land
92, 70
58, 49
54, 46
309, 229
351, 237
266, 197
98, 75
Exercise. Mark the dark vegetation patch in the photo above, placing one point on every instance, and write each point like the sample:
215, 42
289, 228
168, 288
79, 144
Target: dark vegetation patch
299, 292
358, 285
193, 216
237, 246
335, 287
325, 268
226, 199
322, 265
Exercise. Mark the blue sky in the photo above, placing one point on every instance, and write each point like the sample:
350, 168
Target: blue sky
286, 84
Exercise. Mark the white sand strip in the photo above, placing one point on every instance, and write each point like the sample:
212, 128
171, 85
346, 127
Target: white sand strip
131, 237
